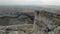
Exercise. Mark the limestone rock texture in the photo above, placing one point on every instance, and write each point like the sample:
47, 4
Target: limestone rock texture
21, 20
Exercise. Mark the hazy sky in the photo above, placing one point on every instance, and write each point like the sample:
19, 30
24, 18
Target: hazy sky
30, 2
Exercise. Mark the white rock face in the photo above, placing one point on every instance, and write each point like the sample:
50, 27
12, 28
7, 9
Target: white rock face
52, 32
14, 32
57, 30
1, 31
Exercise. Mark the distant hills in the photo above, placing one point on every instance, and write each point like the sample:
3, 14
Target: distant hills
33, 6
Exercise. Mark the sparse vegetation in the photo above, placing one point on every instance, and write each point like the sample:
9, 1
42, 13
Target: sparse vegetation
15, 17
